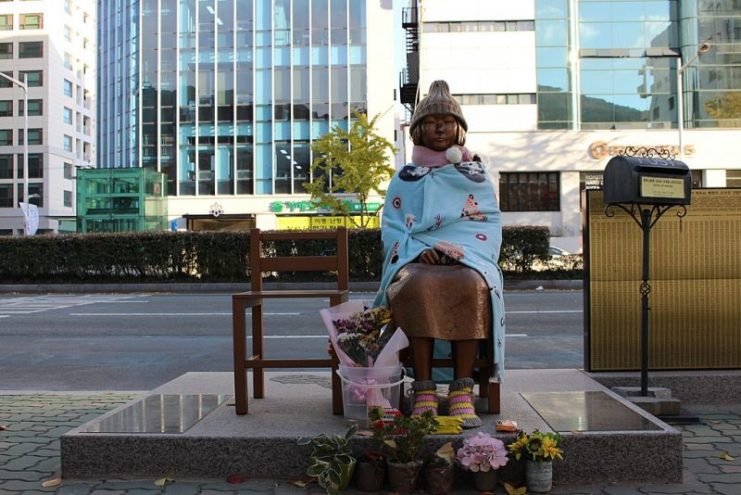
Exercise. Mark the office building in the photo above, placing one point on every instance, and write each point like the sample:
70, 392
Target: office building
224, 97
49, 46
552, 89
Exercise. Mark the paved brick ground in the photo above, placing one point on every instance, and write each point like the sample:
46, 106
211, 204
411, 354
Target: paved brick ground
32, 424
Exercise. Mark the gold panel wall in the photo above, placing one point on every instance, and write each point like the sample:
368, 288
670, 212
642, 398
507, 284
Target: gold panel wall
695, 278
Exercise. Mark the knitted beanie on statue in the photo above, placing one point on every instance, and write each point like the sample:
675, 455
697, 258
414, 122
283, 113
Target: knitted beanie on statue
438, 101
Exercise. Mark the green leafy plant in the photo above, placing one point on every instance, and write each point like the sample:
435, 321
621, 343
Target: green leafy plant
331, 461
401, 437
536, 446
443, 457
350, 164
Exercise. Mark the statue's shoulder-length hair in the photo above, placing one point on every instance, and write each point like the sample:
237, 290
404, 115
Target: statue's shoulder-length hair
416, 134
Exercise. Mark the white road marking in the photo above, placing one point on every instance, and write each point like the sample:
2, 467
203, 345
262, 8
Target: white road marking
39, 304
545, 311
176, 314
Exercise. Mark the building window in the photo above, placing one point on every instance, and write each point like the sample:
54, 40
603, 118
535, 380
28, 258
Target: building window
34, 78
6, 51
68, 143
6, 22
6, 195
68, 61
35, 136
627, 93
30, 49
6, 137
67, 88
35, 108
496, 99
478, 26
32, 21
6, 166
6, 108
67, 113
69, 170
529, 191
35, 165
6, 83
68, 198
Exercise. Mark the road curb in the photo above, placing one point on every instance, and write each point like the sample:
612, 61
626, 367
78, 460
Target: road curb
371, 286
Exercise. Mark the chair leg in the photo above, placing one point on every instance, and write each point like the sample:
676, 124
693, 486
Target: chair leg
494, 399
337, 406
483, 382
240, 354
258, 374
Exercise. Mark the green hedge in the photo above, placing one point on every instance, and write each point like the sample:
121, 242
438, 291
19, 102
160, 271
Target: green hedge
211, 256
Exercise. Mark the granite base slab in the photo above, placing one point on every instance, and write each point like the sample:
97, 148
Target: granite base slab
263, 444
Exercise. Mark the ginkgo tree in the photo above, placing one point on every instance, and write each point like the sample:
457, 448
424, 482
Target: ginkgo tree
727, 106
350, 165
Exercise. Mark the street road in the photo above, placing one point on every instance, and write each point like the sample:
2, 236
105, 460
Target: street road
140, 341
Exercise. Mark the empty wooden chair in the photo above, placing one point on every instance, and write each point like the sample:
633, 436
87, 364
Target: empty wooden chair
260, 264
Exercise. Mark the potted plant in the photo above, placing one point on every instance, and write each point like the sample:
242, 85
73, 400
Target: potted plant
539, 449
439, 470
482, 455
370, 471
331, 461
401, 437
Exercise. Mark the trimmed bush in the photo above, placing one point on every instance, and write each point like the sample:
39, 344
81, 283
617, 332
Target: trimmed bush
216, 256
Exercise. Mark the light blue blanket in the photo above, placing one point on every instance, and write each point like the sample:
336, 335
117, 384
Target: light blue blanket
454, 209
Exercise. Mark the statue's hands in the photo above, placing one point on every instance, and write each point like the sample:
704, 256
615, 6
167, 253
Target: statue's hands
430, 257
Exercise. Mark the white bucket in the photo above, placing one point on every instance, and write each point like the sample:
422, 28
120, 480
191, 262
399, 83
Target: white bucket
369, 387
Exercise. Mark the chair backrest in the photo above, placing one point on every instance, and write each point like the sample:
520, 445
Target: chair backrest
338, 262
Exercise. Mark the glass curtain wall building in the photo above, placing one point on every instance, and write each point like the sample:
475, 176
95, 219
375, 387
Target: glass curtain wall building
224, 97
553, 89
624, 74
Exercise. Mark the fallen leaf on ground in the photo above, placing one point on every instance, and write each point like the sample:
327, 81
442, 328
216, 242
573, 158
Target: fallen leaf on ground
235, 479
52, 482
3, 427
303, 482
511, 490
163, 482
726, 456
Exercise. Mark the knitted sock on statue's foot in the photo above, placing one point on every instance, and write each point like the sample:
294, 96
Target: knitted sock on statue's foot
460, 402
425, 397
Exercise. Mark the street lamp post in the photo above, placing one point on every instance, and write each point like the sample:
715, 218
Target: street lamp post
24, 86
680, 93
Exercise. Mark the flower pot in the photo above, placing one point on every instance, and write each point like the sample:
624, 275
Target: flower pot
346, 474
486, 481
539, 476
513, 472
369, 476
403, 477
439, 480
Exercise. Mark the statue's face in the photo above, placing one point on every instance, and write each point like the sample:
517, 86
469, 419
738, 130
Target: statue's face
439, 131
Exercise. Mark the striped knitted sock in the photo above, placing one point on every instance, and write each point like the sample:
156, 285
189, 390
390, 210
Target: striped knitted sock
425, 397
460, 402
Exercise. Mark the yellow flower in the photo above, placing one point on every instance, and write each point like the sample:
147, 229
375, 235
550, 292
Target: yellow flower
549, 448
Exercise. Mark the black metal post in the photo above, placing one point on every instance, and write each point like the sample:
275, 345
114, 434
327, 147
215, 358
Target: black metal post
645, 291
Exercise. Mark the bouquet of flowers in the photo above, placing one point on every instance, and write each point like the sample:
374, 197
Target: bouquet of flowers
362, 338
361, 335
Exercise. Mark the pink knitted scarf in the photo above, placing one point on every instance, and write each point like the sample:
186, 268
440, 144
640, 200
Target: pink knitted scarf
426, 157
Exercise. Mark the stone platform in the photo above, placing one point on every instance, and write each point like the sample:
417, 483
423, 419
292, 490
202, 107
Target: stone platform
187, 428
